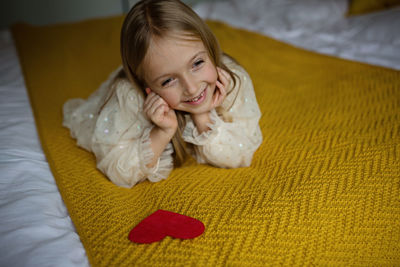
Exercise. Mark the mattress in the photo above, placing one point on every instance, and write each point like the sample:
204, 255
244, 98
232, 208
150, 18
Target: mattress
36, 229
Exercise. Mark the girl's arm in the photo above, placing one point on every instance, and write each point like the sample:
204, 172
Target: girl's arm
203, 120
129, 148
166, 123
230, 144
159, 141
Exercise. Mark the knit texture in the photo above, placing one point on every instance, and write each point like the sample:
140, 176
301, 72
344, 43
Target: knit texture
323, 188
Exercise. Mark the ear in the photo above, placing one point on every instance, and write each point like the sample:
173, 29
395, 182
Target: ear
148, 90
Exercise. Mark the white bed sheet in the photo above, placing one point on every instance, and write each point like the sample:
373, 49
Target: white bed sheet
317, 26
35, 229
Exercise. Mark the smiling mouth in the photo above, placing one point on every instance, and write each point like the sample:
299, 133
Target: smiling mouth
198, 99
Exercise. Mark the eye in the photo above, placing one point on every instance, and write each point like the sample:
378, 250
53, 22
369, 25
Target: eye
167, 81
198, 63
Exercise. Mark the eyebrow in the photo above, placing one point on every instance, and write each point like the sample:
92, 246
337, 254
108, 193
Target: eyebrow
167, 74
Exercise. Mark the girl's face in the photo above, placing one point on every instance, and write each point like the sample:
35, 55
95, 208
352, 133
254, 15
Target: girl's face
181, 72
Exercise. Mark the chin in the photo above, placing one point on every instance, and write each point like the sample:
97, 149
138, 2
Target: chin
197, 110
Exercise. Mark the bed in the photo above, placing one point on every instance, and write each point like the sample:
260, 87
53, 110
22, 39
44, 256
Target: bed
36, 228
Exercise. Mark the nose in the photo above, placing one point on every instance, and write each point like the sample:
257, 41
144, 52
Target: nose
190, 85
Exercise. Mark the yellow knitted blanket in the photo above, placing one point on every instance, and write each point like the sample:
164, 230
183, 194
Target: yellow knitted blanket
323, 188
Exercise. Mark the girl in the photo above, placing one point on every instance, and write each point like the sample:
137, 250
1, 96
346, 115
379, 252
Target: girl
175, 95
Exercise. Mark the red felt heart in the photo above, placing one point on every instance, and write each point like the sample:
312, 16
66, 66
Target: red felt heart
164, 223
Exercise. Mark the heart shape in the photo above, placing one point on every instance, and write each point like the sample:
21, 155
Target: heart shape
164, 223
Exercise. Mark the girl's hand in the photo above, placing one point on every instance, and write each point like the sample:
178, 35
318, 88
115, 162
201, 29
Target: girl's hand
201, 120
158, 111
221, 87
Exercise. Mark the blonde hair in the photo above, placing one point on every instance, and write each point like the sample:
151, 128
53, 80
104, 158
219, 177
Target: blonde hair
157, 18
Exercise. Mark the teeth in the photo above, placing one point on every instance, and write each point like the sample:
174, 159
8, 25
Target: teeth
196, 98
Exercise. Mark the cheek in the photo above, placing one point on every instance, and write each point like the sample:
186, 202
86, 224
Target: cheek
171, 97
210, 74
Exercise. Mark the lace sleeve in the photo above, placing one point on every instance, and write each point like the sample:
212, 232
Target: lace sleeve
122, 144
230, 144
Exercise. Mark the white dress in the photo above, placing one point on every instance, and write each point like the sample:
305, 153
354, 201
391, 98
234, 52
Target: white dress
118, 132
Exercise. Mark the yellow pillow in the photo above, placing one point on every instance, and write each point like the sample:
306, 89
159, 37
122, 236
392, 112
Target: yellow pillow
357, 7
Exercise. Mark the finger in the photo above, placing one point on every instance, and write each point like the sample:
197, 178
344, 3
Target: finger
160, 111
151, 111
224, 77
152, 105
150, 99
226, 74
157, 104
219, 94
222, 72
221, 88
